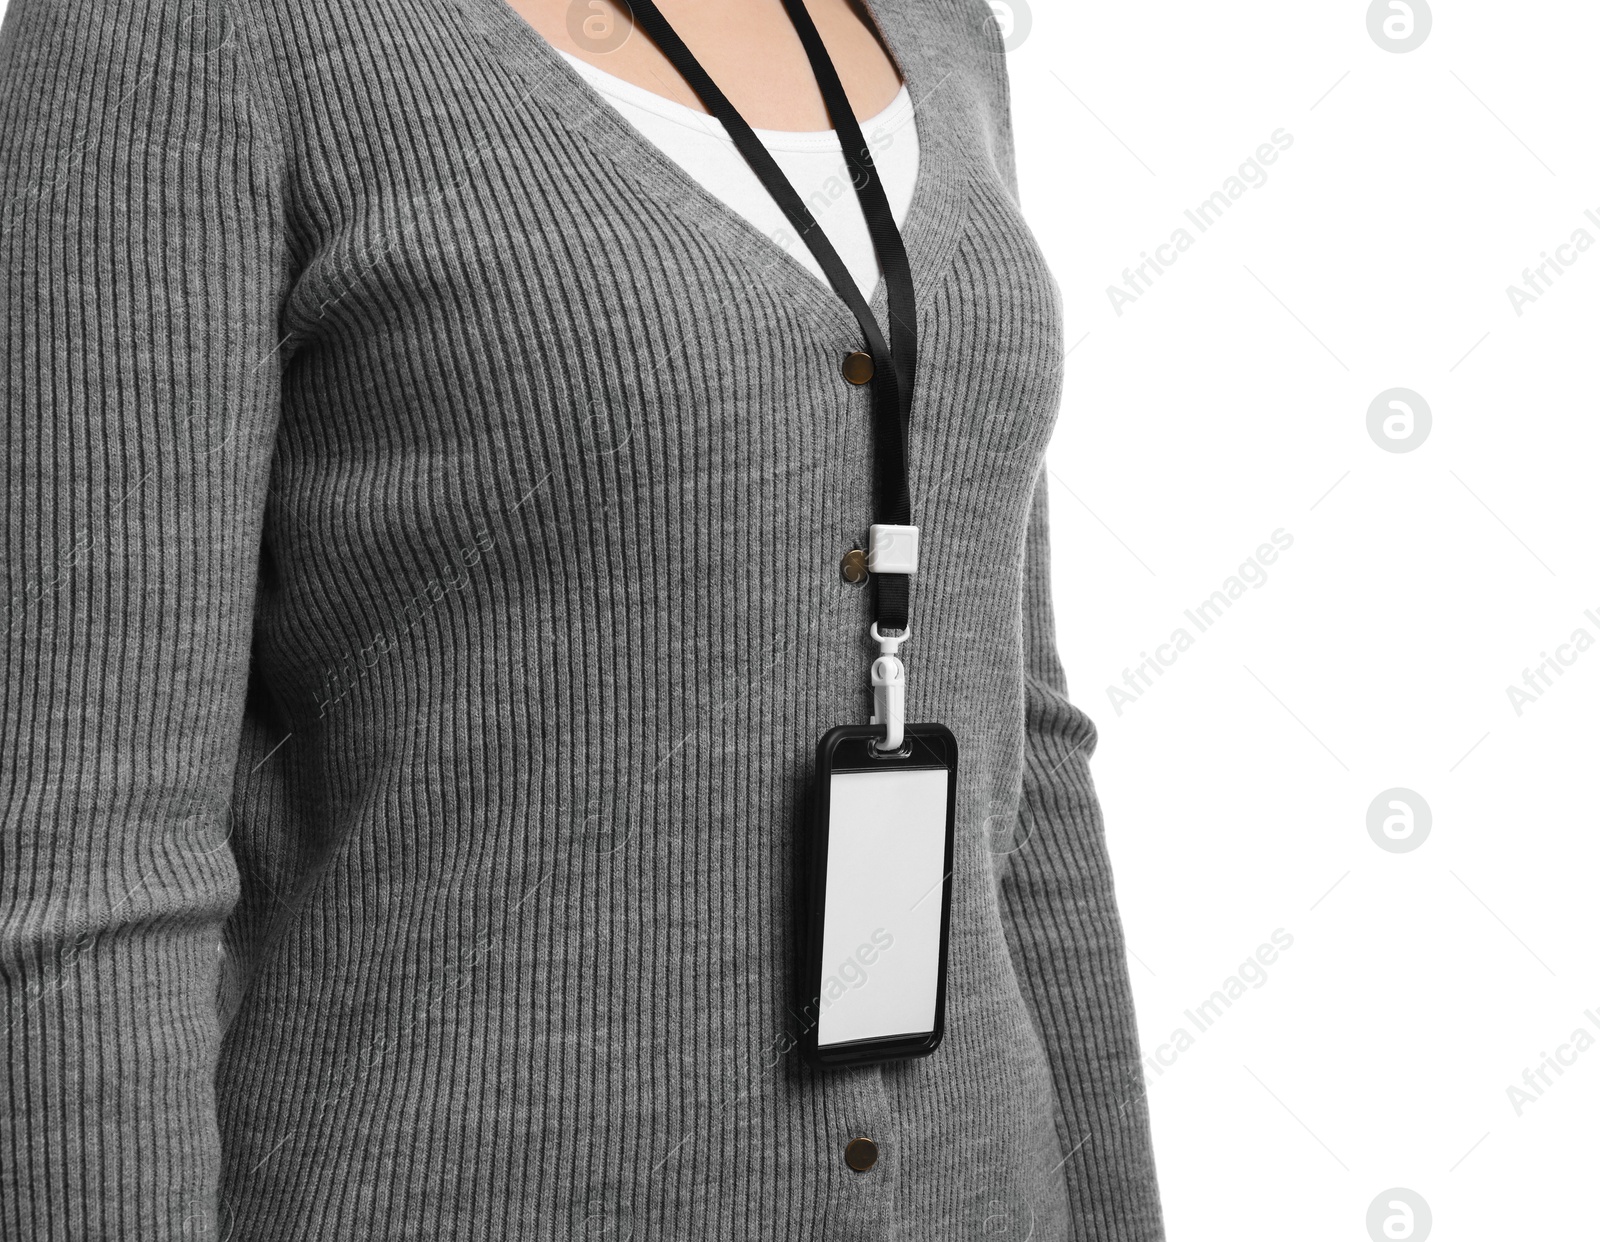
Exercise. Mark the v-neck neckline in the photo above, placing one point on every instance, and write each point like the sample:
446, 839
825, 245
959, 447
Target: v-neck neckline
785, 141
938, 196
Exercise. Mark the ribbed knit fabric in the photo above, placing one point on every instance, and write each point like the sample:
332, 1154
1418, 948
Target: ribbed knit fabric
423, 509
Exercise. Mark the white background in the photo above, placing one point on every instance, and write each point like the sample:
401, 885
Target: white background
1231, 400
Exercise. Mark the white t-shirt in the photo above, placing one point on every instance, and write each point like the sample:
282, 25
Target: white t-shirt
812, 161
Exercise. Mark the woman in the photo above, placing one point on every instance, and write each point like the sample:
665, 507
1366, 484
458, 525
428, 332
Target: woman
436, 530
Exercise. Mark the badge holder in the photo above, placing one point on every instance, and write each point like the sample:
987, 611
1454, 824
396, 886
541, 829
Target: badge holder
878, 882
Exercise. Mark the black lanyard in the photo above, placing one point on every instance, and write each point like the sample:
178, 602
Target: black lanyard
892, 384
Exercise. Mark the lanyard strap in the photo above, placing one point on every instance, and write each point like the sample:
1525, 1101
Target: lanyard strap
892, 384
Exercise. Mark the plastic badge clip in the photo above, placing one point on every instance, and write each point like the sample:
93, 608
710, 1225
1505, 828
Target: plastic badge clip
889, 689
892, 549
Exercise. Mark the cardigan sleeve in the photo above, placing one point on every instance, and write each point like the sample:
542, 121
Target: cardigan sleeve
140, 276
1065, 936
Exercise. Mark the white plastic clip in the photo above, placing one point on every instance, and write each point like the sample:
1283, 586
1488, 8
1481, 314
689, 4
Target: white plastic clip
889, 688
892, 549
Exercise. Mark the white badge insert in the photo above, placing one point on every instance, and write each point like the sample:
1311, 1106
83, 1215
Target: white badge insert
884, 903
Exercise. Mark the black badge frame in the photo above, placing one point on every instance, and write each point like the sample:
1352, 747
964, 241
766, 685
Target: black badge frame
849, 748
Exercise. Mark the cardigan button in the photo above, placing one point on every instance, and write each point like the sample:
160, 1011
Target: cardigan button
861, 1154
853, 567
857, 367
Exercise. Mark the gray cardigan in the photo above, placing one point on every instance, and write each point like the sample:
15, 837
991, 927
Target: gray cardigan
422, 522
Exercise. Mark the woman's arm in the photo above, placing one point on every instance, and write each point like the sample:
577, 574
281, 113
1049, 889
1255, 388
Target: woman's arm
141, 271
1061, 921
